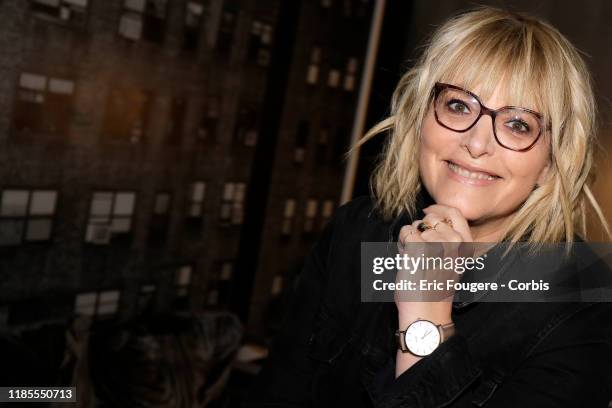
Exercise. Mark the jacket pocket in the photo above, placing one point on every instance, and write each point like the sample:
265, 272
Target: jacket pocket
328, 339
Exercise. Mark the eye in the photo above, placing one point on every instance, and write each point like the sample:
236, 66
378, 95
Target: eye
518, 126
458, 106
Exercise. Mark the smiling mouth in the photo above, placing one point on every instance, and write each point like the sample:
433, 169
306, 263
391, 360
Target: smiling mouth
474, 175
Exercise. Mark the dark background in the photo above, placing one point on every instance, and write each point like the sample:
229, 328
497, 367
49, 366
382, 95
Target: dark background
166, 165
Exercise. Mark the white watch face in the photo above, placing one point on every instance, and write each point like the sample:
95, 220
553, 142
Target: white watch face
422, 337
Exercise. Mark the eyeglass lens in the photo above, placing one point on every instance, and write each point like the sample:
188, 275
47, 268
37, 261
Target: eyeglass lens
515, 129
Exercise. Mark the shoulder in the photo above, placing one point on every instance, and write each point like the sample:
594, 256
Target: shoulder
359, 220
360, 207
345, 224
353, 214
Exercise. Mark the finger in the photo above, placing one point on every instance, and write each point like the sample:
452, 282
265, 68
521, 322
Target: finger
442, 233
429, 236
460, 224
432, 234
408, 233
416, 223
411, 240
446, 232
437, 246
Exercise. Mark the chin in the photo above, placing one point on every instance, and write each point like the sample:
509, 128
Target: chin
465, 206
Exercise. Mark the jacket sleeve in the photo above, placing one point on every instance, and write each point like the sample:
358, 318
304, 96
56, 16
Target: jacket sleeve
451, 364
568, 368
284, 381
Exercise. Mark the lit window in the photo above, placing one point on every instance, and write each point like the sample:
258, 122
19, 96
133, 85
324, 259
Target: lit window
26, 216
312, 74
277, 285
288, 216
160, 219
194, 20
196, 199
110, 214
44, 104
143, 19
326, 211
247, 126
226, 271
72, 11
232, 204
301, 142
310, 215
333, 80
351, 71
183, 280
97, 304
86, 304
260, 42
146, 298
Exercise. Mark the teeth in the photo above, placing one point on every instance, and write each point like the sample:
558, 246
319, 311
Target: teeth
469, 174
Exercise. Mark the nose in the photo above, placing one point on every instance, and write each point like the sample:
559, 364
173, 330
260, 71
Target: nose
480, 140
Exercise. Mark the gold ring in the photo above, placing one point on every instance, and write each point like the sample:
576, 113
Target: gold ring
423, 226
448, 221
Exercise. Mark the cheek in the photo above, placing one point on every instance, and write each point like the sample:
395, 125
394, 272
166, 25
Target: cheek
436, 142
525, 167
523, 173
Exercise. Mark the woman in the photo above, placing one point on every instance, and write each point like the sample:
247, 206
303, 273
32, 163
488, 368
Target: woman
490, 140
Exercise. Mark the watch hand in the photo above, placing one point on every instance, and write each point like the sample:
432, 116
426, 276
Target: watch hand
425, 335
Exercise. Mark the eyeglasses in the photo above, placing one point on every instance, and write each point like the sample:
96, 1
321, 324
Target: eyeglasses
514, 128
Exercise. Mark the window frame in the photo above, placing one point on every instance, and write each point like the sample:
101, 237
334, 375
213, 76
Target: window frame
47, 113
97, 303
42, 11
27, 217
231, 210
111, 216
143, 15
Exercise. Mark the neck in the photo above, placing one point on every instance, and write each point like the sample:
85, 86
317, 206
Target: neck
488, 231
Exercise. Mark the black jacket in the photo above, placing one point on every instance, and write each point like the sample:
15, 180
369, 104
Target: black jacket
335, 350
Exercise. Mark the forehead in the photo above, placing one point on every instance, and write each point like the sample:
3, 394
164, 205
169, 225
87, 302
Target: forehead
498, 76
498, 97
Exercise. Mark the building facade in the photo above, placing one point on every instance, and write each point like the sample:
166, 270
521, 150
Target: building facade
127, 141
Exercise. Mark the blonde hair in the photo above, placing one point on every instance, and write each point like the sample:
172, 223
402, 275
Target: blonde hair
478, 50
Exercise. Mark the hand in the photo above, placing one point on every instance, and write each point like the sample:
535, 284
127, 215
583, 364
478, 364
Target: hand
451, 229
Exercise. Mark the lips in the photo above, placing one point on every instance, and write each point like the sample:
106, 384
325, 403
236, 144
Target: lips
470, 172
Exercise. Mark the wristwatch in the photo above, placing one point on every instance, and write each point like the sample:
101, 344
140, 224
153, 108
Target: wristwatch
422, 337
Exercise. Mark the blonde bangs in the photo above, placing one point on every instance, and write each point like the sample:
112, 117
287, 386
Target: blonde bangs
505, 60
